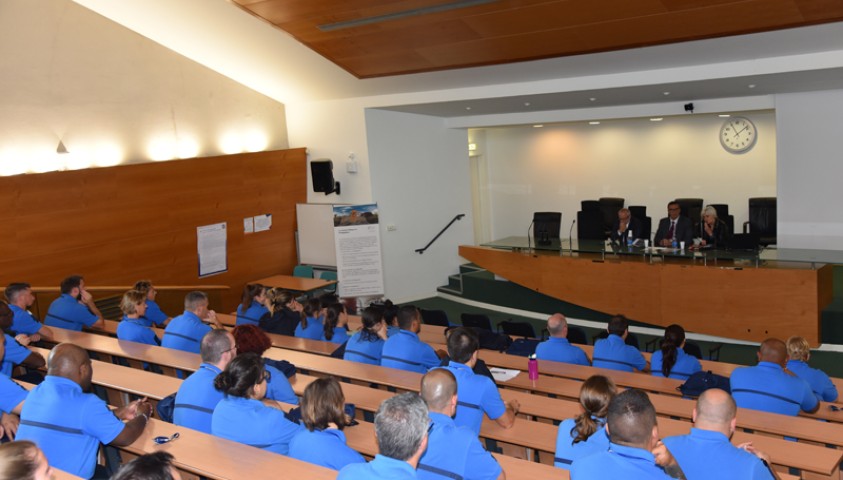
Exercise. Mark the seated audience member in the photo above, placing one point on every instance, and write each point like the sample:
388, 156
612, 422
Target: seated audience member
74, 308
613, 353
251, 339
15, 352
625, 225
185, 332
335, 327
452, 451
706, 453
154, 314
556, 348
152, 466
367, 345
478, 394
714, 232
390, 317
310, 326
23, 460
584, 434
768, 387
69, 424
672, 361
20, 298
799, 353
240, 416
323, 442
401, 425
674, 226
253, 305
634, 435
132, 327
284, 313
12, 396
197, 397
404, 350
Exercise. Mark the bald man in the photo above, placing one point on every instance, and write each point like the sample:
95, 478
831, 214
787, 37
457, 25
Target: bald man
556, 348
768, 387
69, 424
707, 453
452, 451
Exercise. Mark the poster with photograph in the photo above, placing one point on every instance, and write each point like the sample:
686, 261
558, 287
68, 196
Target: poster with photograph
357, 240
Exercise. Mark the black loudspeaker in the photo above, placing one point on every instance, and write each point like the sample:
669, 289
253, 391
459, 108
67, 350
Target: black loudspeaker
322, 174
546, 227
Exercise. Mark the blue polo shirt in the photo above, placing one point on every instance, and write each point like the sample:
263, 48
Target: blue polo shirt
767, 387
560, 350
135, 330
313, 330
197, 398
455, 452
618, 462
15, 355
11, 394
614, 354
327, 448
567, 451
685, 366
279, 387
340, 336
822, 386
66, 312
391, 330
406, 352
153, 314
251, 422
185, 332
380, 468
252, 315
705, 455
476, 394
23, 321
67, 424
363, 351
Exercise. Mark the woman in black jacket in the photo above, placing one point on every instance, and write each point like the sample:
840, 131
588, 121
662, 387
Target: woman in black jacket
284, 313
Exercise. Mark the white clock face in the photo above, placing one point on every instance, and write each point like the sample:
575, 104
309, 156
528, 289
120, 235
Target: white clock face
738, 134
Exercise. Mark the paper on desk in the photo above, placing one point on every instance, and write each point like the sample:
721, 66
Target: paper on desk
503, 374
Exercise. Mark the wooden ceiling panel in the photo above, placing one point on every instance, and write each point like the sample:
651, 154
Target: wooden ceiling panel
504, 31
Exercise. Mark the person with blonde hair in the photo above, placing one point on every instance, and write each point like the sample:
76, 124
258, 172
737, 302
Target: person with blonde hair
713, 231
153, 314
585, 433
23, 460
132, 327
799, 353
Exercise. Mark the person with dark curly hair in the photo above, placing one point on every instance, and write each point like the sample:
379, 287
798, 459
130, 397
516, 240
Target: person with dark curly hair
251, 339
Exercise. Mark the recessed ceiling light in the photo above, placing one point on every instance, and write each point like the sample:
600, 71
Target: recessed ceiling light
724, 115
468, 108
751, 85
657, 119
592, 99
594, 123
526, 104
538, 126
665, 93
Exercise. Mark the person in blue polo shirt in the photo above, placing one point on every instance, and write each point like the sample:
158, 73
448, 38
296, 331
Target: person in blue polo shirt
799, 353
131, 327
251, 339
671, 360
154, 314
768, 387
631, 425
452, 451
335, 327
585, 434
323, 441
241, 416
556, 348
707, 453
253, 305
401, 426
14, 352
69, 424
197, 397
613, 353
478, 394
74, 308
366, 345
20, 298
310, 326
12, 397
185, 332
404, 350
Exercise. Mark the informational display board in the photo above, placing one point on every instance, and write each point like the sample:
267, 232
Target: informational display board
358, 250
211, 245
316, 234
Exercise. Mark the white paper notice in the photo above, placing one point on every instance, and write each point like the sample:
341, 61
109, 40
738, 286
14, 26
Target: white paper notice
503, 374
248, 225
358, 243
263, 222
211, 245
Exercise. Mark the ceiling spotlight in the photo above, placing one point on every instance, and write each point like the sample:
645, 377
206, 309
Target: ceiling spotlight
724, 115
665, 93
468, 108
61, 149
751, 85
592, 99
594, 123
538, 126
657, 119
526, 104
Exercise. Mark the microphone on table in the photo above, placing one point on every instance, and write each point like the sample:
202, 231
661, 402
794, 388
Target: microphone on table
570, 234
529, 247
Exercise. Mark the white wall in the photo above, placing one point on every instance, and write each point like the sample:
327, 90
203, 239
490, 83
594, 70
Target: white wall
648, 163
810, 166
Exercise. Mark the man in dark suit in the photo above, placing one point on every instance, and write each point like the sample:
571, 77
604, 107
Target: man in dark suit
624, 224
674, 226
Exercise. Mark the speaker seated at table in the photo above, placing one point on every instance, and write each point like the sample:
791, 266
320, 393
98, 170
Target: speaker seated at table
546, 226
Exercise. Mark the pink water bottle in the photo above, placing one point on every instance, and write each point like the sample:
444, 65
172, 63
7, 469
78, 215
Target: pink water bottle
533, 367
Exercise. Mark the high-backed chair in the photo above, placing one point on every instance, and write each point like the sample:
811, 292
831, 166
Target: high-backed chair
476, 320
546, 226
577, 335
640, 212
691, 208
609, 207
762, 220
515, 328
434, 317
590, 221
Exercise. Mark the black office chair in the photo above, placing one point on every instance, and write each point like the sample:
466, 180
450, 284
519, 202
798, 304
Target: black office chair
434, 317
640, 212
631, 338
515, 328
577, 335
476, 320
590, 225
546, 227
609, 207
691, 208
762, 220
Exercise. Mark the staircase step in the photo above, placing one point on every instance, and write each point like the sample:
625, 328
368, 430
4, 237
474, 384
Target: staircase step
470, 268
455, 282
450, 291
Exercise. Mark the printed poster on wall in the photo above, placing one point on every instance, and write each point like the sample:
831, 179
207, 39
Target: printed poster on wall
357, 239
211, 244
